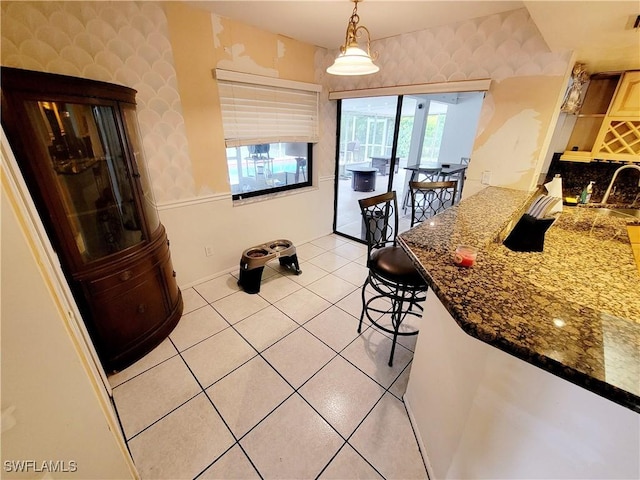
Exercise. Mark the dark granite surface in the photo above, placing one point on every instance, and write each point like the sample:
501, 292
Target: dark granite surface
573, 310
577, 175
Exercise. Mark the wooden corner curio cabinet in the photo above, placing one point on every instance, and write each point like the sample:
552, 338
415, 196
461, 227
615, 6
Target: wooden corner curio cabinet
77, 144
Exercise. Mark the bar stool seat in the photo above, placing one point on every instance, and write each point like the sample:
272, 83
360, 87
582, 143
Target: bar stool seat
394, 264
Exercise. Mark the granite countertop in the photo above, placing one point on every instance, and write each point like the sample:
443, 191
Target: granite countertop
573, 310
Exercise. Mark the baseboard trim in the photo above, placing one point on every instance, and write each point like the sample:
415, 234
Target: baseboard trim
208, 277
423, 450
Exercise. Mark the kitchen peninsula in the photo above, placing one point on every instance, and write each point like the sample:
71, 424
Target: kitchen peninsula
528, 364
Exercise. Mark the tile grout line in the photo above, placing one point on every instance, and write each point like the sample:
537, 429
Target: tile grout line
295, 390
236, 440
163, 417
146, 370
260, 354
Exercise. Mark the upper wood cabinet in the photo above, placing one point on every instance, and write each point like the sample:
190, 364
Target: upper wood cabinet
588, 121
626, 102
619, 137
608, 125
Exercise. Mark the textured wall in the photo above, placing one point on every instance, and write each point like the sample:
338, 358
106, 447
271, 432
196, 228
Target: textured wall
518, 109
128, 43
497, 47
118, 42
231, 45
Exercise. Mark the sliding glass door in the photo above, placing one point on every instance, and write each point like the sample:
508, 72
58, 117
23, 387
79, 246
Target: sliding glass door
364, 164
379, 137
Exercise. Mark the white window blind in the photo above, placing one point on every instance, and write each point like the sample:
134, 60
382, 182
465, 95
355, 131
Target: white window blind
258, 110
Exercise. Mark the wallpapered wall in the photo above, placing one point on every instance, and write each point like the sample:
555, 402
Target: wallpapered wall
497, 47
527, 80
129, 43
119, 42
231, 45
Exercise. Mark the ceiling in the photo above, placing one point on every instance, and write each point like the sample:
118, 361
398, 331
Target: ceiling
600, 32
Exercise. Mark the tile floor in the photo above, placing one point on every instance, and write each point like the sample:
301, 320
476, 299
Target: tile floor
273, 385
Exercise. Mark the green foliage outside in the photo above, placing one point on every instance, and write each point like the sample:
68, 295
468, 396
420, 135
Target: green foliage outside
354, 127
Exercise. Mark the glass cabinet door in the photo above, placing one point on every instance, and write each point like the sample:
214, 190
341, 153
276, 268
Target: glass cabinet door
92, 178
140, 165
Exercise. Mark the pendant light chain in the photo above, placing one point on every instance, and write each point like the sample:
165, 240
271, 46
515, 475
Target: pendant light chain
352, 59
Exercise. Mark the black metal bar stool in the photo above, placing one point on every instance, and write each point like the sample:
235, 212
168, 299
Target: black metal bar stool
392, 274
430, 198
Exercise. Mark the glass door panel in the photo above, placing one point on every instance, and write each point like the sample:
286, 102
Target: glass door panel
376, 144
91, 173
419, 138
434, 128
364, 165
367, 127
434, 132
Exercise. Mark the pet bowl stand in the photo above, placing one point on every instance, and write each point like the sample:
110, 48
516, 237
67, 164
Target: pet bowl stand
255, 258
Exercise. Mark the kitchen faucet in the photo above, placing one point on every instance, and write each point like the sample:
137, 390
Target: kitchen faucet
615, 175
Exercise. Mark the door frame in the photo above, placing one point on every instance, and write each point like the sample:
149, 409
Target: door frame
50, 262
479, 85
392, 161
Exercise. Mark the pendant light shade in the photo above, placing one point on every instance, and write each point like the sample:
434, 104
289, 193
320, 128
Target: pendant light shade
352, 59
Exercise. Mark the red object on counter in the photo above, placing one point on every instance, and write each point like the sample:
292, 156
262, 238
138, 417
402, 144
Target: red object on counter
465, 256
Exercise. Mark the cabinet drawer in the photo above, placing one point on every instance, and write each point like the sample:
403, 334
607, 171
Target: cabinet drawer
129, 273
122, 319
125, 276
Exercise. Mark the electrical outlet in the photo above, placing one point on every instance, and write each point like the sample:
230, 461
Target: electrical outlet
208, 250
486, 177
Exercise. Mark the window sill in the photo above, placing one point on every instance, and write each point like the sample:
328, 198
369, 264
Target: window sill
271, 196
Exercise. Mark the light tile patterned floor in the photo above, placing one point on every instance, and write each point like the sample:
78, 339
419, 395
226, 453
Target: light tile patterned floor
273, 385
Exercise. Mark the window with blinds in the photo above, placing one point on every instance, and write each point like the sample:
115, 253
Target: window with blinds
269, 125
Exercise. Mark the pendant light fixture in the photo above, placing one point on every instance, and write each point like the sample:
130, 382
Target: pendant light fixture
352, 59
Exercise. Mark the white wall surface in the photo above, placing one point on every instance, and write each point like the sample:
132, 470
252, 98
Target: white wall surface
460, 128
297, 216
482, 413
53, 409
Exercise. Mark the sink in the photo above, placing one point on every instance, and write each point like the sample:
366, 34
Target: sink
632, 215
